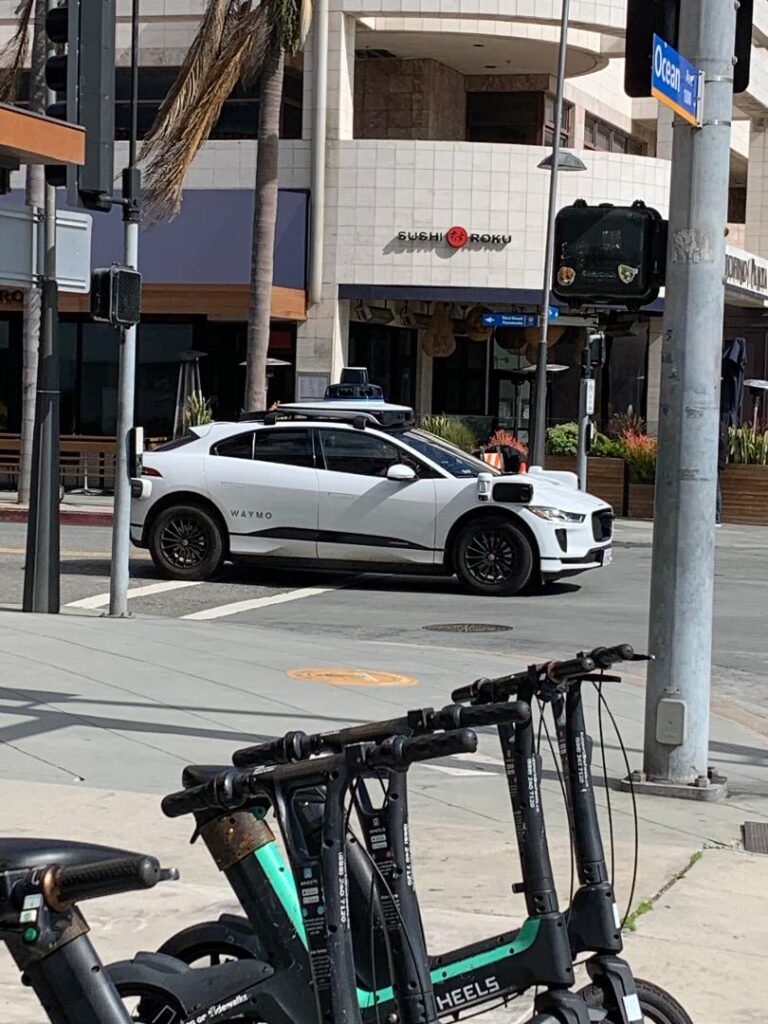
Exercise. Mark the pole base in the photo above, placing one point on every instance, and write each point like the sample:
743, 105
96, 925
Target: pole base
708, 789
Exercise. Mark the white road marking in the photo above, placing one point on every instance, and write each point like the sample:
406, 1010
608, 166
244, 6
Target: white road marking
102, 600
222, 610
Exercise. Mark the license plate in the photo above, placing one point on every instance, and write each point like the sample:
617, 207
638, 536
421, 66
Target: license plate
607, 557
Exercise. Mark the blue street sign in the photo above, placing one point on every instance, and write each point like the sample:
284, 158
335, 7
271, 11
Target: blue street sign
554, 312
676, 82
510, 320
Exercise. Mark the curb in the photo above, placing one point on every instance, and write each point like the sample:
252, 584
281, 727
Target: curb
67, 517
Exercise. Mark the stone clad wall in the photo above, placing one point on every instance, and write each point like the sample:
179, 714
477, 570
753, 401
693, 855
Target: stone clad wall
408, 99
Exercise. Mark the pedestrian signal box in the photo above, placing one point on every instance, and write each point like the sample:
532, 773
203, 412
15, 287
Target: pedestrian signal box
609, 255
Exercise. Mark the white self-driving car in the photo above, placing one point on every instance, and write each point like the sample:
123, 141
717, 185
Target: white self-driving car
340, 485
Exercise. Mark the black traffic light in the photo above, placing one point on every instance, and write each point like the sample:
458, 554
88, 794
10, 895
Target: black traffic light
83, 77
609, 255
662, 17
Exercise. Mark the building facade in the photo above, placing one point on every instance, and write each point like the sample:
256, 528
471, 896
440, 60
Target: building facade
424, 207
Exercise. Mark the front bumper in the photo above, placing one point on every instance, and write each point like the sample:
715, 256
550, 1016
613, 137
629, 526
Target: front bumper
566, 549
556, 568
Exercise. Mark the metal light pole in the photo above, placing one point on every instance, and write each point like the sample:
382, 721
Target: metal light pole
682, 580
121, 521
41, 572
540, 412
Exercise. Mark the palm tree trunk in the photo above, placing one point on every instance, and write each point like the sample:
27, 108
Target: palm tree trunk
33, 294
264, 221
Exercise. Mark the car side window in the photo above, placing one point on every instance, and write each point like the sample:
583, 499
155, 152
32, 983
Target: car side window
289, 447
238, 447
357, 451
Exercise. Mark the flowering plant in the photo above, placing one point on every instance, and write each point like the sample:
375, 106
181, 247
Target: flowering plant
506, 439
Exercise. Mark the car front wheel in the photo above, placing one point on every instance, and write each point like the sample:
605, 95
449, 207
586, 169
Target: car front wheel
186, 543
494, 557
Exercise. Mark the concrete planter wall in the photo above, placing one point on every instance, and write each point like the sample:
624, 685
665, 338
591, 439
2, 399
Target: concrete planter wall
606, 478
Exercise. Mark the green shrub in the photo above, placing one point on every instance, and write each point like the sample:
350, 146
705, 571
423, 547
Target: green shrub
563, 439
197, 410
748, 446
452, 429
604, 447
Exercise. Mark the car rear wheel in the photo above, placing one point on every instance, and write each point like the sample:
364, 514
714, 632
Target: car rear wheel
186, 543
494, 557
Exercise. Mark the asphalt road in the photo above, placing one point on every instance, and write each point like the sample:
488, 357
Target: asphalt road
603, 606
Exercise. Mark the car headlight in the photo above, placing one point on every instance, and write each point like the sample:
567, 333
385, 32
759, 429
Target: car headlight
556, 515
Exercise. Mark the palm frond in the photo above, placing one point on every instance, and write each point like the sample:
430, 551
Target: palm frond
186, 90
305, 21
246, 45
14, 53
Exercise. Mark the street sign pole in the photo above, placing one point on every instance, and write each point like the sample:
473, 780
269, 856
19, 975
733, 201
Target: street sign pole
682, 581
121, 521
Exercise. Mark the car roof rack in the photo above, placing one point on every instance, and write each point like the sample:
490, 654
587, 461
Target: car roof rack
358, 420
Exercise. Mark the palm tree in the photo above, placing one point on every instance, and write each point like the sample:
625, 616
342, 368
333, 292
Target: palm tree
237, 40
30, 13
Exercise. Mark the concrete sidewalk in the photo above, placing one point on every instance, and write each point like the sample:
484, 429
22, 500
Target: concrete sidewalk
99, 716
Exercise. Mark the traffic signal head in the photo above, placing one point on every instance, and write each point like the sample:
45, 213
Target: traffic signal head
609, 255
662, 17
83, 77
116, 296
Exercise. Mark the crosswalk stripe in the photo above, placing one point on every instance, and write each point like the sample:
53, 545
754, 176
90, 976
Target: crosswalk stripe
223, 610
102, 600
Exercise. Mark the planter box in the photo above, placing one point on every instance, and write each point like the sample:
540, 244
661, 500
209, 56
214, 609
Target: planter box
745, 494
605, 477
640, 503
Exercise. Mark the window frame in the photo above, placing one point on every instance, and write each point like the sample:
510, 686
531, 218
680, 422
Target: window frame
269, 432
634, 146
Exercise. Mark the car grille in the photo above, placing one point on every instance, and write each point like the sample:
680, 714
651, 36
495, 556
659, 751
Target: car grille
602, 524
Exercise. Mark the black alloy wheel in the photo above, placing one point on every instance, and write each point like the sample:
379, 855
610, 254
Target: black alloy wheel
186, 543
494, 557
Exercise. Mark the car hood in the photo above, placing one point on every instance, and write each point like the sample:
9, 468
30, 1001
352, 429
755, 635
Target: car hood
553, 494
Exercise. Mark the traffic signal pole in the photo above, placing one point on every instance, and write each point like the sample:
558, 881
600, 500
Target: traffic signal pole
41, 569
682, 580
121, 520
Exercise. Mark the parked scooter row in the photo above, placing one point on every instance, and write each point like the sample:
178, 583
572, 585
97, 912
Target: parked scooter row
335, 936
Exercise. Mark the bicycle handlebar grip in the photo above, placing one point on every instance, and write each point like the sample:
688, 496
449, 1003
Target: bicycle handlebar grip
465, 693
219, 792
485, 714
400, 751
294, 746
563, 671
605, 657
107, 877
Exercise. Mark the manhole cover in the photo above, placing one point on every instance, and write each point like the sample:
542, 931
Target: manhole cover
351, 677
755, 837
467, 627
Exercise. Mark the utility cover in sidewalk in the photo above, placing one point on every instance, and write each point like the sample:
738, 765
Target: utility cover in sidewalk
755, 836
467, 627
351, 677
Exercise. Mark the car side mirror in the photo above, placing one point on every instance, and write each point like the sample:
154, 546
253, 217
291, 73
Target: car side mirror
402, 474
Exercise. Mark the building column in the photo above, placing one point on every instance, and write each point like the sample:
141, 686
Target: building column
424, 366
756, 235
664, 133
322, 341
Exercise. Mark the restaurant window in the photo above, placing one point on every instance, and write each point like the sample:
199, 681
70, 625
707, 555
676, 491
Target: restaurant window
600, 135
389, 353
458, 382
515, 118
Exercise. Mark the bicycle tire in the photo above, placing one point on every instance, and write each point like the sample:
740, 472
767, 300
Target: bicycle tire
657, 1005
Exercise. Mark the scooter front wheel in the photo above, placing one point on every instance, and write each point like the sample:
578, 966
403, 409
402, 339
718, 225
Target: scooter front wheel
656, 1005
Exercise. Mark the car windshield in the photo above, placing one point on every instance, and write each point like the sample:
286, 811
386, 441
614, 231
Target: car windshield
450, 458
